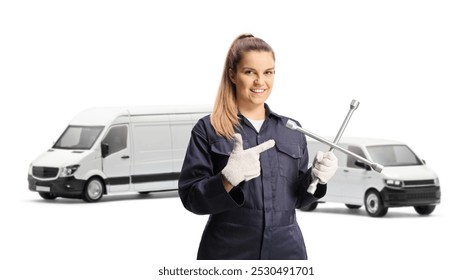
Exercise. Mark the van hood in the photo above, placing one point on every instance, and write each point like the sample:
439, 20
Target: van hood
60, 157
413, 172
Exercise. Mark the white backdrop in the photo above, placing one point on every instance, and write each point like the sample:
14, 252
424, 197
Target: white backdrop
409, 63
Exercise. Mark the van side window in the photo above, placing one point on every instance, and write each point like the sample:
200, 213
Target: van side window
351, 160
116, 138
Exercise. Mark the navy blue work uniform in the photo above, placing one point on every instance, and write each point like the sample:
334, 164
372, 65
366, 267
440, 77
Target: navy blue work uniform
256, 219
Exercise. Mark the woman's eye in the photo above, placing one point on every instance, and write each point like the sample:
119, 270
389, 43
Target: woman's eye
248, 72
269, 72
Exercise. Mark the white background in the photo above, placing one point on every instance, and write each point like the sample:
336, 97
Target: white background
409, 63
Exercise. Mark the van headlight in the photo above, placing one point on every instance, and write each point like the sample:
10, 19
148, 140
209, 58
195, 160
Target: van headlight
393, 183
69, 170
437, 182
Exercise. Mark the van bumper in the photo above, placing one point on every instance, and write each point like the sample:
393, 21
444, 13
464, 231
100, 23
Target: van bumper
62, 186
413, 196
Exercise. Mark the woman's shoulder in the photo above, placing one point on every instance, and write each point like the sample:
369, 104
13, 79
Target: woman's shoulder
281, 118
202, 124
285, 134
284, 119
203, 128
205, 120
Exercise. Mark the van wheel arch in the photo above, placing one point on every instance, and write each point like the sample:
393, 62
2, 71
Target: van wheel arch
374, 204
94, 189
47, 196
424, 209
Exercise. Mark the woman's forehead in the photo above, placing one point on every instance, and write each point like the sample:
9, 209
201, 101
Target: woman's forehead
257, 59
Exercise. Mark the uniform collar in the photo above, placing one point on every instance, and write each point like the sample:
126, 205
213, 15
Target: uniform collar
269, 113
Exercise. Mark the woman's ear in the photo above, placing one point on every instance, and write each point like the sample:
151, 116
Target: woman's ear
231, 75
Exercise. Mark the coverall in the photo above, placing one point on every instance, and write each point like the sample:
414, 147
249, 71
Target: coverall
257, 218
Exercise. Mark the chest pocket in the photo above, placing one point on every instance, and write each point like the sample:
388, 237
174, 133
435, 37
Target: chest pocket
289, 157
220, 152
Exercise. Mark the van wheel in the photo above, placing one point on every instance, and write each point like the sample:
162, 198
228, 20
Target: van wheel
374, 204
424, 209
352, 206
93, 190
309, 207
47, 196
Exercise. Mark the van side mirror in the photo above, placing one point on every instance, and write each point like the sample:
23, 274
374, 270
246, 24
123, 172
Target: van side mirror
362, 165
104, 149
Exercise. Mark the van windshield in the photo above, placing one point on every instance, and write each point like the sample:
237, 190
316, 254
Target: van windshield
78, 137
393, 155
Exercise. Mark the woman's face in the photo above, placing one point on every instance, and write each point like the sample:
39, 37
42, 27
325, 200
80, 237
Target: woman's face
253, 78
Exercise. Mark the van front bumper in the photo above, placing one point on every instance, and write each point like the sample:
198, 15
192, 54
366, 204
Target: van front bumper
62, 186
411, 196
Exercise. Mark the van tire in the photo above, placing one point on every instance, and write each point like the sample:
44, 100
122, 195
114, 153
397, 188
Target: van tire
309, 207
374, 204
94, 189
424, 209
352, 206
47, 196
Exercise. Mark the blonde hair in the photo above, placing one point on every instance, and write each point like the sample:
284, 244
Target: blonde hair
224, 117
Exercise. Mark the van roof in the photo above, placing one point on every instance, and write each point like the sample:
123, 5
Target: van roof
363, 141
105, 115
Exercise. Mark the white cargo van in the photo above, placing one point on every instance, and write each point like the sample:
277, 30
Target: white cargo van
405, 180
112, 150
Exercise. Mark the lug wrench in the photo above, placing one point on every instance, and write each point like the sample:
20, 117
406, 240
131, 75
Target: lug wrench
375, 166
353, 106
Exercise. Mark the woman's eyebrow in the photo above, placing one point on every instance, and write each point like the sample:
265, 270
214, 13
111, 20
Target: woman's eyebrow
251, 68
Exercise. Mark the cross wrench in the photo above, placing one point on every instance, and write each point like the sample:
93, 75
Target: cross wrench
353, 106
375, 166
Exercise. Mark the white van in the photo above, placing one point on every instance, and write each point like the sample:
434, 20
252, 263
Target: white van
112, 150
405, 180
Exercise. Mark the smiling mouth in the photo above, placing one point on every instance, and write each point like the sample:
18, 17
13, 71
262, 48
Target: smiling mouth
257, 90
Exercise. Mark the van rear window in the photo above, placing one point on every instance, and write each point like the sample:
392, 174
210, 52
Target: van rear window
393, 155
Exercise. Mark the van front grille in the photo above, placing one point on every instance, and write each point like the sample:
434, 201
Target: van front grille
411, 196
419, 182
45, 172
423, 195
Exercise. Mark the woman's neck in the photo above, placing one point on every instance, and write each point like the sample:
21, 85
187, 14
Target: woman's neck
254, 113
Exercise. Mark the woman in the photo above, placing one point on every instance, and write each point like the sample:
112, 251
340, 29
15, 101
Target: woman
246, 169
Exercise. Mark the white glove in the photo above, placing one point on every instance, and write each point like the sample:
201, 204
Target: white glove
244, 165
324, 166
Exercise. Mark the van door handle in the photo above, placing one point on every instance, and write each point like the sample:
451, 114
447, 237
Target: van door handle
125, 157
346, 170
